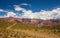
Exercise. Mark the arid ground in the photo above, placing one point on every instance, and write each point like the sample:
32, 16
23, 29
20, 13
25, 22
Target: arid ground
21, 30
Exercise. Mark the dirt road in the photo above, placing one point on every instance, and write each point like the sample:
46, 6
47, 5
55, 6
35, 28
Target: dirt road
11, 26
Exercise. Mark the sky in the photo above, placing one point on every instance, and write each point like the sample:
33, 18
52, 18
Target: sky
38, 9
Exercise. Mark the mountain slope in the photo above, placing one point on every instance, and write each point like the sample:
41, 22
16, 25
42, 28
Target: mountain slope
23, 30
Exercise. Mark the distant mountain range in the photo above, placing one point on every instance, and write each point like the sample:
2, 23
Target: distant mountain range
30, 21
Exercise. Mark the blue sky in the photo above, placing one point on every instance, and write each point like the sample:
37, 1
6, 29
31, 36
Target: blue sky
37, 5
33, 5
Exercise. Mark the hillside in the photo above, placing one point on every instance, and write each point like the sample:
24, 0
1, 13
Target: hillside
31, 21
24, 30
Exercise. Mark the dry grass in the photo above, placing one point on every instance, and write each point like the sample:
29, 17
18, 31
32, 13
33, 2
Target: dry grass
21, 30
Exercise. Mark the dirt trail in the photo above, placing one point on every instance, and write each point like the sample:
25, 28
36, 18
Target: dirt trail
11, 26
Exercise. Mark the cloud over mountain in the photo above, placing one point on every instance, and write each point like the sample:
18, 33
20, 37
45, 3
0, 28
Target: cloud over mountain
11, 14
53, 14
43, 14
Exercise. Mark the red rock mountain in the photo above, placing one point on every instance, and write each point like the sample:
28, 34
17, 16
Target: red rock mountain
29, 21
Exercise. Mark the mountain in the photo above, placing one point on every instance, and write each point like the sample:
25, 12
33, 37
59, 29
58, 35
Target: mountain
10, 19
37, 22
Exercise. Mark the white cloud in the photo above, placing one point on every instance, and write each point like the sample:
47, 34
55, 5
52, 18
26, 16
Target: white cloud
11, 14
53, 14
1, 10
18, 8
8, 13
25, 4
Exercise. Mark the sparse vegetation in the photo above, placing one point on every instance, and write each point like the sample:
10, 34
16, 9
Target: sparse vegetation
5, 24
21, 30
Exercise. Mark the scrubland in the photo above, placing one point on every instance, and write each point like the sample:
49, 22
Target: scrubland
22, 30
